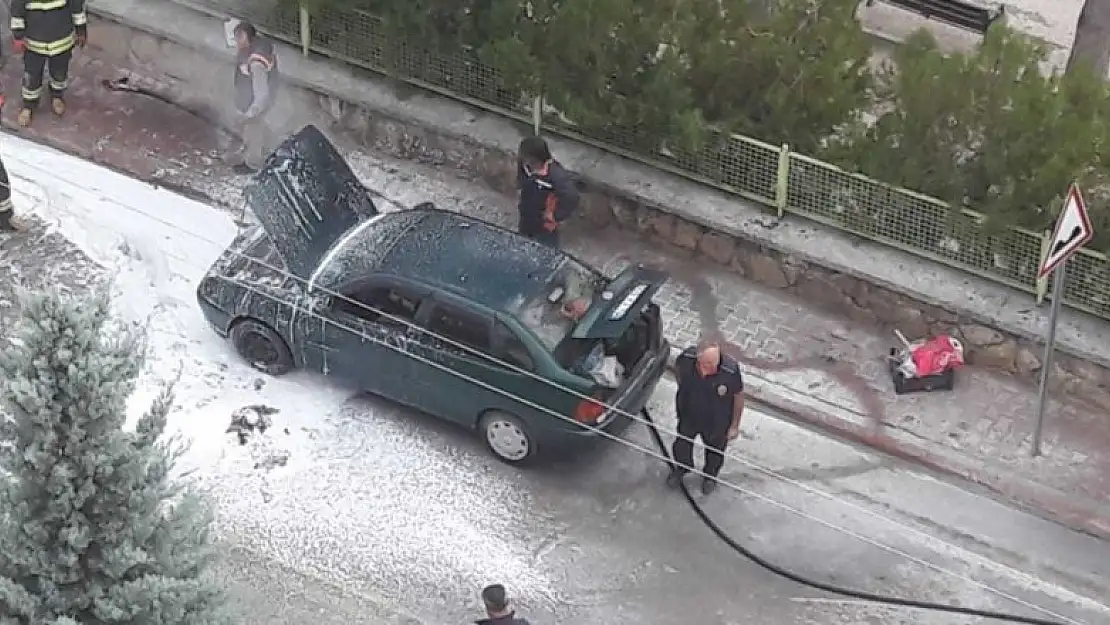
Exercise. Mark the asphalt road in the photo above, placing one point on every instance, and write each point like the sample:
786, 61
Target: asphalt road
602, 539
380, 515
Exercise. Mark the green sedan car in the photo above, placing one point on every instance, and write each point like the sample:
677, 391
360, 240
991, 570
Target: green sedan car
456, 317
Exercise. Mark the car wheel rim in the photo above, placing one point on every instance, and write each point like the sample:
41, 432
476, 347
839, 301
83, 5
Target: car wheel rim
259, 349
507, 440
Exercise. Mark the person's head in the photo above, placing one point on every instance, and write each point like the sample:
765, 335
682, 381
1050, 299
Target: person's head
709, 357
534, 152
496, 600
245, 34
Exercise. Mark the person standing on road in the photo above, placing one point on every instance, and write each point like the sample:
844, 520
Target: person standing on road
255, 84
498, 609
709, 403
45, 33
7, 212
548, 195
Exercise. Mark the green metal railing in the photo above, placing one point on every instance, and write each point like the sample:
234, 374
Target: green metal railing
769, 175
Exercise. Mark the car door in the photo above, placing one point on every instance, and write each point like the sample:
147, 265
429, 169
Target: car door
362, 336
463, 375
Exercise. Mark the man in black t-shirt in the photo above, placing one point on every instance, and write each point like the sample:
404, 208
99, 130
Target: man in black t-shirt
709, 404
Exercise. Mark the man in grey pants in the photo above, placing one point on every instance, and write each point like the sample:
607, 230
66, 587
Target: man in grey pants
256, 79
244, 116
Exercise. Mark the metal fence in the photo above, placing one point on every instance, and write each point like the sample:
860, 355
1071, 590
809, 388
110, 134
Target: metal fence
770, 175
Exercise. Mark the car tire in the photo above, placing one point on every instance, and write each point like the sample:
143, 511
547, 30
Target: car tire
261, 347
506, 437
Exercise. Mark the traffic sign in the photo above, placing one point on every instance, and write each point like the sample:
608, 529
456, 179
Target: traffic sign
1073, 231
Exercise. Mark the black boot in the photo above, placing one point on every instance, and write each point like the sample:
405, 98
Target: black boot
6, 224
674, 480
708, 485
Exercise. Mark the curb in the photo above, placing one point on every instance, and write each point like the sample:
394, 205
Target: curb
1041, 501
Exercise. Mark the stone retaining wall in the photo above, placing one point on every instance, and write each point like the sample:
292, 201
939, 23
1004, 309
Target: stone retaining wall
836, 292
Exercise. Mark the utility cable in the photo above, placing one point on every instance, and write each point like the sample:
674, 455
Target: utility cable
617, 411
636, 418
666, 458
823, 586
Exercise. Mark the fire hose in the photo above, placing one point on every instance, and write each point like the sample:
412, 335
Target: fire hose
818, 585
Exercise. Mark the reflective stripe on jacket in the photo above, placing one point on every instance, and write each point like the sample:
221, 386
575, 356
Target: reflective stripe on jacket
261, 53
48, 27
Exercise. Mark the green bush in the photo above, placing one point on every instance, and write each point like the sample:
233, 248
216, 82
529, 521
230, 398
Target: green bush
671, 80
988, 130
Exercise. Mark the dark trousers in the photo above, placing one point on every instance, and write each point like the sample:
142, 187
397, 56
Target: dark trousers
714, 437
548, 238
35, 65
5, 193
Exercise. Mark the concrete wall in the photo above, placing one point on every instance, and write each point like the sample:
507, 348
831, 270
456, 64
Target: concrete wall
868, 283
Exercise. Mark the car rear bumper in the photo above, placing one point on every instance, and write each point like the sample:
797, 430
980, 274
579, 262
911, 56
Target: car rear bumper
626, 406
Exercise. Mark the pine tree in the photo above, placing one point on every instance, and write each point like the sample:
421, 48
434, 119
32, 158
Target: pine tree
92, 529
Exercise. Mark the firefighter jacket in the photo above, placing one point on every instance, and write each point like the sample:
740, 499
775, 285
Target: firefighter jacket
256, 77
48, 27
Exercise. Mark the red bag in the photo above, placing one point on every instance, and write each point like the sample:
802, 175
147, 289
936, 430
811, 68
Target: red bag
937, 355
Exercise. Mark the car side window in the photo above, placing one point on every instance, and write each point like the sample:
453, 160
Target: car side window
385, 305
460, 326
508, 347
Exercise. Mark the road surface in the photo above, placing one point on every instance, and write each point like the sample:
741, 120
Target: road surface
380, 515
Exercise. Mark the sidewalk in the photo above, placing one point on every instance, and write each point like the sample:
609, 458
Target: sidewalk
820, 370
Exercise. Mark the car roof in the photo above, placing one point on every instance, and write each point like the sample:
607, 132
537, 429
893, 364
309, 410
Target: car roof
361, 250
486, 264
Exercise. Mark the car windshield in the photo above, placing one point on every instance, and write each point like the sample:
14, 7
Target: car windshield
572, 281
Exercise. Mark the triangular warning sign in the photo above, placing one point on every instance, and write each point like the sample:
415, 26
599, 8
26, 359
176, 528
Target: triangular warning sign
1073, 231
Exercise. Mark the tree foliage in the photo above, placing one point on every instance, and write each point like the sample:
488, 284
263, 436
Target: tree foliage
989, 130
92, 530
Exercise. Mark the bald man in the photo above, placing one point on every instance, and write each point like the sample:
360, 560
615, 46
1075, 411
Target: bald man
709, 404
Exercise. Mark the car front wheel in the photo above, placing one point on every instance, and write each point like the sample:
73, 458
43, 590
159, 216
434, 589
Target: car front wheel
506, 437
261, 347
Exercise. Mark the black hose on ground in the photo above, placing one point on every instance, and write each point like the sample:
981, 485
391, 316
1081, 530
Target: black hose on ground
822, 586
208, 116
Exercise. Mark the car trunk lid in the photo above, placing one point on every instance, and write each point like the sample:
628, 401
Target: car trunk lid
619, 305
306, 197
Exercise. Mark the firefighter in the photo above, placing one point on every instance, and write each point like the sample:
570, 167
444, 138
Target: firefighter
548, 195
255, 84
709, 404
7, 214
44, 32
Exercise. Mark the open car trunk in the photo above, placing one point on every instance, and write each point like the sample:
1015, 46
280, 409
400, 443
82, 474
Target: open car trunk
619, 330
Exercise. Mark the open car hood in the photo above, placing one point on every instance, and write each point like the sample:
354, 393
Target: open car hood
616, 308
306, 197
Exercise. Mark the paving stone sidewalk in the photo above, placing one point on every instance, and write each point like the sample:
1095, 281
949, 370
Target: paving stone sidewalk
821, 370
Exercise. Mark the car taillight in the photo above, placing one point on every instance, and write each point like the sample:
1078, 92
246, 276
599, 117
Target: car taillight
588, 411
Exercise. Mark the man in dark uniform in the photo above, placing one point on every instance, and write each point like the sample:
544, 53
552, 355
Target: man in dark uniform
256, 80
709, 404
548, 195
6, 211
45, 33
498, 609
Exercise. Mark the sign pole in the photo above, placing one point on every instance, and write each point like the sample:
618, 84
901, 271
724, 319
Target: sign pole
1049, 351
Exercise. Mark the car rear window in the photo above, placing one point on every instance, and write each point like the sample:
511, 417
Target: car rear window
545, 318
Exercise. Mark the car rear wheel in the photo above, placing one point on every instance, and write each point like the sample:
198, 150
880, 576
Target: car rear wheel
506, 437
261, 347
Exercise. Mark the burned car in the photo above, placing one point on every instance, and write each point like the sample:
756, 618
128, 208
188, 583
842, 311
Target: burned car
448, 314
